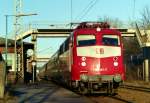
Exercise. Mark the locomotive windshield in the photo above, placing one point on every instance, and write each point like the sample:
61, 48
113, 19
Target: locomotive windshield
112, 40
85, 40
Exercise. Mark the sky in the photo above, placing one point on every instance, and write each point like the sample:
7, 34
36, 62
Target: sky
59, 11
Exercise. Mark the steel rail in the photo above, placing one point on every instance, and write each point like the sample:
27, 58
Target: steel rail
96, 98
137, 88
120, 99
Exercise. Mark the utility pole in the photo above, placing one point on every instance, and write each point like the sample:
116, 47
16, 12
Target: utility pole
17, 27
3, 68
6, 47
71, 10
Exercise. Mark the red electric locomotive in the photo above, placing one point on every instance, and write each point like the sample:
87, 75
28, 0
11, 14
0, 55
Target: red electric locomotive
90, 59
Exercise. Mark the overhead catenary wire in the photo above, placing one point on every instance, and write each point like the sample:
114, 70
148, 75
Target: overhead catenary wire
50, 48
133, 15
45, 49
71, 8
86, 10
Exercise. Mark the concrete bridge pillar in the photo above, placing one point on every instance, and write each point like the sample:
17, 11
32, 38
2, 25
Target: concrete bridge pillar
146, 54
2, 79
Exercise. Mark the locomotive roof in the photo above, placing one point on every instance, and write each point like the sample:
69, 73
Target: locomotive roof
93, 25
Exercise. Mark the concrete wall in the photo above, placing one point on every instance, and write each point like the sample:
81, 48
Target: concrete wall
2, 78
10, 61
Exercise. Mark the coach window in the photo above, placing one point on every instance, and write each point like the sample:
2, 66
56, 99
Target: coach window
63, 47
1, 58
85, 40
112, 40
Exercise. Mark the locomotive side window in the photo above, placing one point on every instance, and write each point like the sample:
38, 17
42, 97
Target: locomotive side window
1, 58
85, 40
112, 40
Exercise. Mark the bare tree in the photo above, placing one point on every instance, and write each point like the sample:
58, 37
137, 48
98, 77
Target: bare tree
114, 22
145, 18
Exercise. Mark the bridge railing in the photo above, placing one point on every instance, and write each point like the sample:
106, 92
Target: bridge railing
143, 37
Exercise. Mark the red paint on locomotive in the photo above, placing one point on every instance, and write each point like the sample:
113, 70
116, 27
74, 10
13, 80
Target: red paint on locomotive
92, 54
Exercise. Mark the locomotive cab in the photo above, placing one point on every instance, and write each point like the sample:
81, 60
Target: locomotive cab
90, 59
97, 56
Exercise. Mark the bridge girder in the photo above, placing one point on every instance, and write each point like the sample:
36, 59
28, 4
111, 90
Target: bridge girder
41, 33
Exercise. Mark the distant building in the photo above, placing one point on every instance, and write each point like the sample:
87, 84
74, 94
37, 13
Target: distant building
10, 61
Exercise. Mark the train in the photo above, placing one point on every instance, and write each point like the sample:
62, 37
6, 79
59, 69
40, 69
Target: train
90, 60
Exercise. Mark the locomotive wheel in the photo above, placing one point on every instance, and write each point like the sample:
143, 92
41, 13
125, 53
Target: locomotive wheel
83, 91
111, 90
115, 91
108, 91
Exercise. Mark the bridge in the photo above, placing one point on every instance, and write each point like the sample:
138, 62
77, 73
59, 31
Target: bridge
142, 37
63, 33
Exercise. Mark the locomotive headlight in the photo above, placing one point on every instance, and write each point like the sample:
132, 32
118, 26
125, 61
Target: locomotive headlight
84, 77
117, 78
83, 58
98, 29
115, 63
83, 64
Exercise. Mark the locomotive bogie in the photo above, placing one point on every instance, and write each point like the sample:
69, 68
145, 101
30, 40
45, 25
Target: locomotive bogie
95, 87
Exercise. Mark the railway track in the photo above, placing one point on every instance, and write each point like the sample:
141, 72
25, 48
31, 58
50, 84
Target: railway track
107, 99
137, 88
102, 99
121, 99
122, 96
